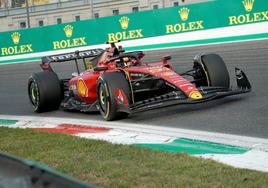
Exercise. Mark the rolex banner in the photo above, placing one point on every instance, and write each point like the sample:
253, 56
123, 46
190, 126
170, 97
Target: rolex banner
168, 22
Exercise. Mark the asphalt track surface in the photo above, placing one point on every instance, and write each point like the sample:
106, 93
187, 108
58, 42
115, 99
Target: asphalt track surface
241, 115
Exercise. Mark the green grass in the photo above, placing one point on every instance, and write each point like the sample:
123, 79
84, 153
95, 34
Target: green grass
109, 165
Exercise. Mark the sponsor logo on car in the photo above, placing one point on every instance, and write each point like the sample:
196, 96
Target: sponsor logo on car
195, 95
82, 88
121, 98
168, 73
155, 69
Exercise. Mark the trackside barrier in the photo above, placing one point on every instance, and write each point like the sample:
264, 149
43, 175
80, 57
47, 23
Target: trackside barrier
203, 23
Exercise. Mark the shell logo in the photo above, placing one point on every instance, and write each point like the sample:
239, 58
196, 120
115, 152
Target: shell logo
82, 88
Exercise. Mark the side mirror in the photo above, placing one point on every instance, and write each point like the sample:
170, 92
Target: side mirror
166, 58
100, 68
77, 54
74, 74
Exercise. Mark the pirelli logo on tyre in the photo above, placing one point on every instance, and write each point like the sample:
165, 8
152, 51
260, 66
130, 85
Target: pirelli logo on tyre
17, 47
69, 41
249, 16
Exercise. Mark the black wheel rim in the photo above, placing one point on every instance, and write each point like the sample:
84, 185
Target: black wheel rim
102, 99
34, 94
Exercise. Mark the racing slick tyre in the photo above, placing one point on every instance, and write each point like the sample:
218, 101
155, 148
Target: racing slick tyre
44, 91
211, 71
113, 92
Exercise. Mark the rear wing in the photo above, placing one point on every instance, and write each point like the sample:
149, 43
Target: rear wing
72, 56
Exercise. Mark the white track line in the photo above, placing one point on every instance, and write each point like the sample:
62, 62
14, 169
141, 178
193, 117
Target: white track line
229, 139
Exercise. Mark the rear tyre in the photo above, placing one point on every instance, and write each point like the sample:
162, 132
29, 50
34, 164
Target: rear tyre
211, 71
44, 91
107, 99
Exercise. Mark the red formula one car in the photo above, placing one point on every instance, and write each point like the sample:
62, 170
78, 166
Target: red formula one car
118, 83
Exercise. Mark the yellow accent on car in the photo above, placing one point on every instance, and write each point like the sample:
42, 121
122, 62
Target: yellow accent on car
206, 73
82, 88
108, 103
195, 95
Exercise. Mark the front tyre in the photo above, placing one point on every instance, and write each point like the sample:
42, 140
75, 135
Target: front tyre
210, 70
111, 104
44, 91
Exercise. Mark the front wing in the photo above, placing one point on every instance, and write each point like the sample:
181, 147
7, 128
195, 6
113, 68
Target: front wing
208, 93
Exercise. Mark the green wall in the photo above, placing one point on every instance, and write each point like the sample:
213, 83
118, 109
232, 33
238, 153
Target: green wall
214, 14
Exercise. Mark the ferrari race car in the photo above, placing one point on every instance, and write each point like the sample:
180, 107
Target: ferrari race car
118, 83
